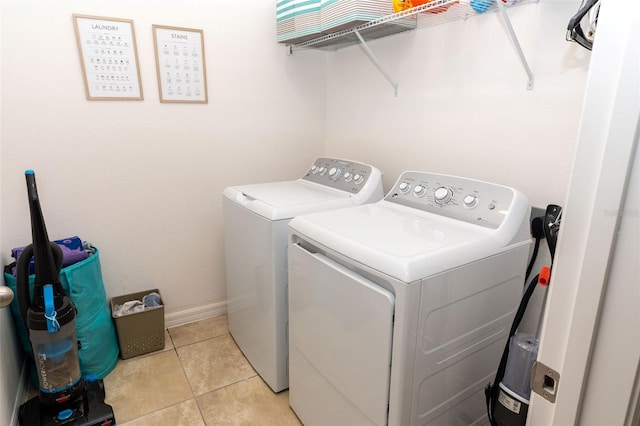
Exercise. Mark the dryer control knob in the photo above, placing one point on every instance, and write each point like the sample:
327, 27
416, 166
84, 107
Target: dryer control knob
347, 177
358, 179
443, 195
335, 173
419, 190
404, 187
470, 201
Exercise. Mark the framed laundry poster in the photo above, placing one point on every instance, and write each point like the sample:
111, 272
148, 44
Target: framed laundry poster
180, 64
109, 58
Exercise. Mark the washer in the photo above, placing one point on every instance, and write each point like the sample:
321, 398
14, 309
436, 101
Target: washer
255, 239
399, 310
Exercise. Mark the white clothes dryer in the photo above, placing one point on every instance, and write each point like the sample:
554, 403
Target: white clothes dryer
255, 241
399, 310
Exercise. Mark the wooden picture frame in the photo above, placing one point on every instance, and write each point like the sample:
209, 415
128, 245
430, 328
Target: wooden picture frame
109, 57
180, 64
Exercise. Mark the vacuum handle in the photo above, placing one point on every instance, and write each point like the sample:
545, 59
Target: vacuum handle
46, 268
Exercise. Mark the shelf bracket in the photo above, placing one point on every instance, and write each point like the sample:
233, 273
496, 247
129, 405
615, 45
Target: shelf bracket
373, 58
516, 43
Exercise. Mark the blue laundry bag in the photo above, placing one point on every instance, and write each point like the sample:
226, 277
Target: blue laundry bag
82, 282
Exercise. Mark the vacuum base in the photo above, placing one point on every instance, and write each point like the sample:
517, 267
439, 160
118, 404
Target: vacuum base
89, 410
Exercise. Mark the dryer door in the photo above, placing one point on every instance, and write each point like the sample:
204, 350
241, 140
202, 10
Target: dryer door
340, 337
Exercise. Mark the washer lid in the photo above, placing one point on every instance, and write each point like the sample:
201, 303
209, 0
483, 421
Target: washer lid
399, 241
284, 200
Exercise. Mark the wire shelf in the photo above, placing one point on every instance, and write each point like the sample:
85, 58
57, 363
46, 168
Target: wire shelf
426, 15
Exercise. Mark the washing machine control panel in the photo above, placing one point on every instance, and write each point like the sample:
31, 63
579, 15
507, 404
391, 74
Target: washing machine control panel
481, 203
345, 175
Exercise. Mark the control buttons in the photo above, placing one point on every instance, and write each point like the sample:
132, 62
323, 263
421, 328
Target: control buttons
419, 190
335, 173
470, 201
443, 195
314, 169
492, 206
322, 170
358, 179
347, 176
404, 187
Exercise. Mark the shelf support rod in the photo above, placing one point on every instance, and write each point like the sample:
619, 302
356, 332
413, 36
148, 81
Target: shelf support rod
377, 64
514, 38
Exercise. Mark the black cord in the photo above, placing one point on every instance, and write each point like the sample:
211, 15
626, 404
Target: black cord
548, 228
491, 391
537, 231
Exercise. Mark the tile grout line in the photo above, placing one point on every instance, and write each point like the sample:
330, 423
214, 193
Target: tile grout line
195, 397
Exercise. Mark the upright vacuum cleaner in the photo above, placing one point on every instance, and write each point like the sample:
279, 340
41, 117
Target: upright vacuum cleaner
65, 397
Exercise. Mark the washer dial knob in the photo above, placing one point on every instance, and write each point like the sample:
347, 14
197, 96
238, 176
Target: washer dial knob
347, 176
443, 195
470, 201
358, 179
322, 170
419, 190
314, 169
404, 187
335, 173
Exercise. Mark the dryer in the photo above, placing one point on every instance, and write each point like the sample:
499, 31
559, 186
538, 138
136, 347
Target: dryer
255, 241
399, 310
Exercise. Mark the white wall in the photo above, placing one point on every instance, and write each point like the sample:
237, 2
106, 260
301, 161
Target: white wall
10, 354
462, 105
140, 179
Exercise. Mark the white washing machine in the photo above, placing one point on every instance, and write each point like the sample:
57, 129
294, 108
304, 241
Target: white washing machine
399, 310
255, 240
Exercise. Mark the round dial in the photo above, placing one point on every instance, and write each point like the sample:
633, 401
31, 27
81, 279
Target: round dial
347, 176
404, 187
470, 201
443, 195
321, 170
335, 173
419, 190
314, 169
358, 178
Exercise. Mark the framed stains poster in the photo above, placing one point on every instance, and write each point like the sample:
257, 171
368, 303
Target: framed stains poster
109, 57
180, 64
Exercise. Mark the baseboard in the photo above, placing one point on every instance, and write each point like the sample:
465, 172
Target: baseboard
197, 313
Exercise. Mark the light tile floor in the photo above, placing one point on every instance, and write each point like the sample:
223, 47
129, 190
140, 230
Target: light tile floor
199, 378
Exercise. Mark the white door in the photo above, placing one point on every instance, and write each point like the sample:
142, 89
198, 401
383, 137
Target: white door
591, 333
340, 327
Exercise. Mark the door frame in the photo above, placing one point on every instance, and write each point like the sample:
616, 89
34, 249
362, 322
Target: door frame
607, 142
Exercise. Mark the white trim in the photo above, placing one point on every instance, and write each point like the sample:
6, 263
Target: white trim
602, 167
21, 393
196, 313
